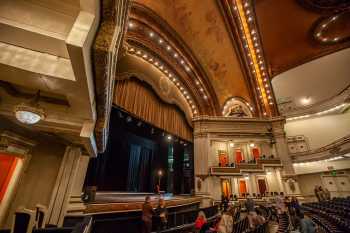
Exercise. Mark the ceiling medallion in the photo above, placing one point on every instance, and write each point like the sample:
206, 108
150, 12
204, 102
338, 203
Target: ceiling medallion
333, 29
326, 6
30, 113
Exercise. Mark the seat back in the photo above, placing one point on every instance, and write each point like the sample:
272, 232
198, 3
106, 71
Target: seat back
23, 222
40, 216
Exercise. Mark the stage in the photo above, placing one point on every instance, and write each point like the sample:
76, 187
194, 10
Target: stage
114, 202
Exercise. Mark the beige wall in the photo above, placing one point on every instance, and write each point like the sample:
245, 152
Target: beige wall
38, 180
320, 131
307, 182
321, 166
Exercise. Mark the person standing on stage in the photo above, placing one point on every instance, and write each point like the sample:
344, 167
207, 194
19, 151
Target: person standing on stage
163, 214
147, 213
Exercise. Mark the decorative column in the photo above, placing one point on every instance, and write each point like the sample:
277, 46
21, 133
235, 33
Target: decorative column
68, 184
201, 167
253, 181
288, 173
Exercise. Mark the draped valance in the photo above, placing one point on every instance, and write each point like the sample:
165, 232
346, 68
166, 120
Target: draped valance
138, 98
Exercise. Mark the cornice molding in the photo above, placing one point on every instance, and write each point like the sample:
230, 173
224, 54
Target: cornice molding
15, 144
105, 51
336, 148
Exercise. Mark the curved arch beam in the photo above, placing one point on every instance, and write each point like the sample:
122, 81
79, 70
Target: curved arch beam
190, 71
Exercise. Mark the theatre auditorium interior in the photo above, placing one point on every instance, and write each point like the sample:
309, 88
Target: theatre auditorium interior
174, 116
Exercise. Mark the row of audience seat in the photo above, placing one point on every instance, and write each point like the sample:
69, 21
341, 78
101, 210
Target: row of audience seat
332, 216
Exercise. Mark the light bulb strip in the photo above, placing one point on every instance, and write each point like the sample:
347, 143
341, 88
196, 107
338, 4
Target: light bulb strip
159, 65
156, 38
253, 49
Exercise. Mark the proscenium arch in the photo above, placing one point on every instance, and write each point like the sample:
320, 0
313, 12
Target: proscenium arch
132, 66
144, 21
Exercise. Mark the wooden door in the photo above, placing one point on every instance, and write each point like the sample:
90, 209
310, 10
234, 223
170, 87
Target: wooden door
226, 187
242, 186
262, 186
7, 167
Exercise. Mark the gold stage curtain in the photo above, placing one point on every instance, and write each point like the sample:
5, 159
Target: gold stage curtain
139, 99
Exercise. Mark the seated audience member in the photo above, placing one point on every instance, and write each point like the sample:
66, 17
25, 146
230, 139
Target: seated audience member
147, 213
306, 225
200, 221
162, 212
280, 204
226, 223
263, 156
259, 219
250, 206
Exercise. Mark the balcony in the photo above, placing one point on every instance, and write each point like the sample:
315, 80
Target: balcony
241, 168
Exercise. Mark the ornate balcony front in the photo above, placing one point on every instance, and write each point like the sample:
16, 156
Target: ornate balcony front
241, 168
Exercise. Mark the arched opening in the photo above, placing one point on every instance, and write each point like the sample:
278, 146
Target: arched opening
150, 144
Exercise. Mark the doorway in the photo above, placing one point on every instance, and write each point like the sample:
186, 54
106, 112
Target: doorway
226, 187
242, 187
262, 186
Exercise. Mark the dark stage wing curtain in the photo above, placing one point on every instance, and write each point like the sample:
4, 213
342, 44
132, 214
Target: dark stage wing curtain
138, 98
134, 164
145, 169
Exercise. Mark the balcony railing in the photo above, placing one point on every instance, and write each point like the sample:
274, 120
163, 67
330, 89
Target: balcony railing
240, 168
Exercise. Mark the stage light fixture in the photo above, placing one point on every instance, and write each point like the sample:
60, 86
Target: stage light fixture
251, 144
169, 137
232, 144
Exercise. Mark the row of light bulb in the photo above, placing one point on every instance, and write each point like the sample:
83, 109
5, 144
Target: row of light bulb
323, 27
161, 42
159, 65
254, 50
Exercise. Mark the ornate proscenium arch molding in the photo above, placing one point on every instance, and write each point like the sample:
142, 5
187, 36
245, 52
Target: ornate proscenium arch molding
131, 65
105, 52
149, 32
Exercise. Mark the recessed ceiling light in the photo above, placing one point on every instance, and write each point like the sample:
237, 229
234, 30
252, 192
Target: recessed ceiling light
305, 100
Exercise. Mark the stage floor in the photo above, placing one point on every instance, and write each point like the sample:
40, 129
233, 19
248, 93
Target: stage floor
113, 197
107, 202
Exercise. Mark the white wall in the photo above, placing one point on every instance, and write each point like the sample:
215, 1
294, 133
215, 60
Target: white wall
321, 166
38, 180
320, 131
